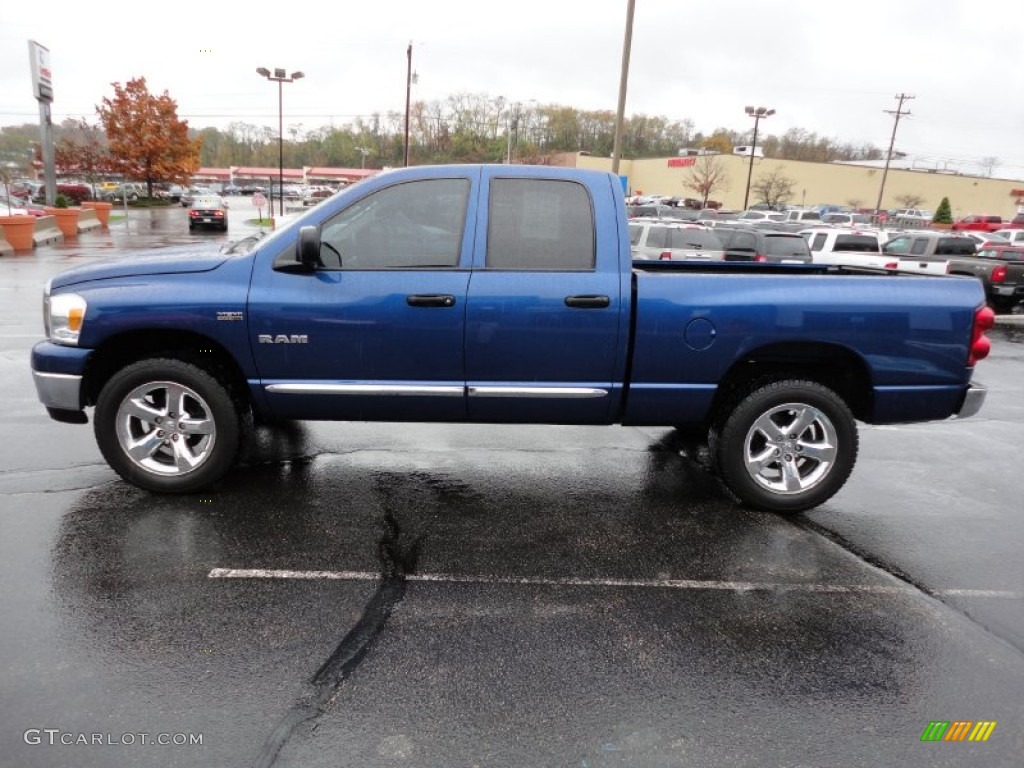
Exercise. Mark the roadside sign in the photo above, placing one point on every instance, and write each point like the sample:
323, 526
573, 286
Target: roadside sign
259, 200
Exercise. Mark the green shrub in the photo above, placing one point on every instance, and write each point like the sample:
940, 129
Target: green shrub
61, 202
943, 214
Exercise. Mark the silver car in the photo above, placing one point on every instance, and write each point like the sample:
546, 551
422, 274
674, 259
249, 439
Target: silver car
661, 240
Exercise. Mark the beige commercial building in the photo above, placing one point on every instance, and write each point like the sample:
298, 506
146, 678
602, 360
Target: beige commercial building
820, 183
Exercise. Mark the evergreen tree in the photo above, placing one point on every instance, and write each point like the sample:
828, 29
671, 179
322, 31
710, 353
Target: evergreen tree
943, 214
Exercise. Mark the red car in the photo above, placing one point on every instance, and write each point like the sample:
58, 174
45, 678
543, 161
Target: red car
19, 207
980, 223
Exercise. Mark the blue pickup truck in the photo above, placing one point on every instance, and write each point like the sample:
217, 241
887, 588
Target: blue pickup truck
500, 294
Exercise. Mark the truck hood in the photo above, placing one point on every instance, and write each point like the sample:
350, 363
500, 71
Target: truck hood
163, 261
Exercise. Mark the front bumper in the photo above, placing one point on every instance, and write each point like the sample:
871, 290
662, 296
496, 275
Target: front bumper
974, 398
58, 373
62, 391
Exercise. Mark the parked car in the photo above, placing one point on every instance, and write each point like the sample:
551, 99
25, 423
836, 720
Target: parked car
758, 214
208, 211
979, 223
172, 192
76, 193
1000, 269
917, 215
193, 192
922, 245
648, 210
843, 219
752, 244
18, 207
126, 190
983, 239
1012, 236
663, 240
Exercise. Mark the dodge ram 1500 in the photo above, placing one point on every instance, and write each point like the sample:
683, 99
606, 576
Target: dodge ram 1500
501, 294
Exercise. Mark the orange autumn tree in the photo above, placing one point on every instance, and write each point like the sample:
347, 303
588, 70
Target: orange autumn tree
147, 140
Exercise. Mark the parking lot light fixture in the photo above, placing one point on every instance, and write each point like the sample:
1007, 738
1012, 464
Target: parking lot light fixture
280, 76
758, 113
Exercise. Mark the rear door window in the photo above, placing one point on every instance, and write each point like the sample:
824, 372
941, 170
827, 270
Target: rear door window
858, 243
955, 246
540, 224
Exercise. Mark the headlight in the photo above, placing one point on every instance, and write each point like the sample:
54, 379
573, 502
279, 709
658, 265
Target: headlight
63, 315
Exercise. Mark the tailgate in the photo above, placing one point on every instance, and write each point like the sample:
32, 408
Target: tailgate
923, 266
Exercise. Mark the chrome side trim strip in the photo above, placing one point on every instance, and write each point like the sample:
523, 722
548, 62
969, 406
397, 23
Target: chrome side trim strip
540, 392
415, 390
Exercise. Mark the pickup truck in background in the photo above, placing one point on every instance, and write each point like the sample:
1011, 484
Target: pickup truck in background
500, 294
1000, 268
861, 248
979, 223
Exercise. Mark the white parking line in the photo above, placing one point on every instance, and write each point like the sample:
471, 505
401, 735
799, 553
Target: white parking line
692, 584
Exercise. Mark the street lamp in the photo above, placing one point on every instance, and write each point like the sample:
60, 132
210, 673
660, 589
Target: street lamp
363, 152
279, 76
757, 114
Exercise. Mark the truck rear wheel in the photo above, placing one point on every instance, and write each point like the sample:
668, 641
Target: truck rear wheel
786, 446
166, 425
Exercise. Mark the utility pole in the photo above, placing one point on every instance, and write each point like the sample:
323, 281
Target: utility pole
896, 113
620, 113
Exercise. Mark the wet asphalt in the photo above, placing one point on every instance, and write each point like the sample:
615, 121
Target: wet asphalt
438, 595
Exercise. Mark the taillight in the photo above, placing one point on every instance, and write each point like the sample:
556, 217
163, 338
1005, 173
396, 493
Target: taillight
666, 256
893, 265
218, 213
984, 319
999, 274
760, 257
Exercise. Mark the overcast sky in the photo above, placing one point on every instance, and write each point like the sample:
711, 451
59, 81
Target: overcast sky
829, 68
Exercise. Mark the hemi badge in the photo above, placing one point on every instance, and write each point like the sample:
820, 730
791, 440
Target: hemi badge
229, 316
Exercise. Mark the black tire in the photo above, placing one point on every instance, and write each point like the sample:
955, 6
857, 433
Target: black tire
791, 470
136, 408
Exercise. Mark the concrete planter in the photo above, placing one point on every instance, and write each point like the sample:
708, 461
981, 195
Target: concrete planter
18, 231
67, 220
102, 210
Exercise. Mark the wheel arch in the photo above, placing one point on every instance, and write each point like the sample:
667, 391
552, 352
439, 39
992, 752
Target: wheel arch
202, 351
832, 365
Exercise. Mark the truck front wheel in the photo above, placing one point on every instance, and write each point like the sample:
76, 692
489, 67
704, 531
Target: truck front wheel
786, 446
168, 426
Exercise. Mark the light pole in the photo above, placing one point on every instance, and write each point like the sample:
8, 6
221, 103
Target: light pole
363, 152
410, 78
757, 114
280, 76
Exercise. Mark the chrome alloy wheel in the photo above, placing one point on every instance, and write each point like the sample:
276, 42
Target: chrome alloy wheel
790, 448
166, 428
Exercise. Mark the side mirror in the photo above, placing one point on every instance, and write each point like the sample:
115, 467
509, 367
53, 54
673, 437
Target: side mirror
308, 248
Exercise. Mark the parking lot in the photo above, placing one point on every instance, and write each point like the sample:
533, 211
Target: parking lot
442, 595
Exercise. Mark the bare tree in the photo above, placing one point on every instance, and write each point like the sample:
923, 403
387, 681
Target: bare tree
708, 174
989, 164
909, 201
773, 188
